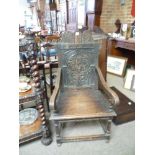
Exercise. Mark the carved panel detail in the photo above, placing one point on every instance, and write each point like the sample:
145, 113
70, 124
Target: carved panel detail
78, 69
87, 37
78, 58
68, 37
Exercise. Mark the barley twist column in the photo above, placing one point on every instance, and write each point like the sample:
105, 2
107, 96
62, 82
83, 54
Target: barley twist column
46, 139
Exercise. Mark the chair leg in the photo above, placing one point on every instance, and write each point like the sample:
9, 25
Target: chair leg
108, 132
58, 130
62, 125
46, 138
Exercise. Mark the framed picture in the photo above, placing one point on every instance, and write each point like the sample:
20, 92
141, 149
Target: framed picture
130, 79
123, 30
133, 83
116, 65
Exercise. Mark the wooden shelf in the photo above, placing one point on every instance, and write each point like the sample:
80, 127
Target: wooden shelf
27, 96
34, 131
123, 48
30, 132
126, 44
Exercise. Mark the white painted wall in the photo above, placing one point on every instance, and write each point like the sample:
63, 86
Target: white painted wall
22, 7
29, 20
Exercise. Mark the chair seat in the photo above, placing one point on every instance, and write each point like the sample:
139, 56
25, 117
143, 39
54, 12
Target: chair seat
82, 103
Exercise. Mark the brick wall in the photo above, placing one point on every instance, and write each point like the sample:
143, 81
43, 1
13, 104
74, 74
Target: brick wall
112, 10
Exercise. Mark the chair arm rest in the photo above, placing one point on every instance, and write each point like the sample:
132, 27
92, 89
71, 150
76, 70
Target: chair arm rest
53, 97
104, 86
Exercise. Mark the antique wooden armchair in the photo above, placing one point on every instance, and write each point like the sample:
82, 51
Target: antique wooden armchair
81, 93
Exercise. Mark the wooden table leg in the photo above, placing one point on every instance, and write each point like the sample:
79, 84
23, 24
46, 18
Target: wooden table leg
46, 138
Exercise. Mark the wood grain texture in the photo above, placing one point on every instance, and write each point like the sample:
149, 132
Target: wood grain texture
86, 102
83, 138
27, 96
103, 86
27, 130
77, 95
93, 16
123, 48
52, 103
52, 38
31, 132
103, 58
125, 112
29, 92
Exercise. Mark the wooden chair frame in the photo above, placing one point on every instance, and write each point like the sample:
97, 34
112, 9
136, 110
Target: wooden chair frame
58, 123
71, 88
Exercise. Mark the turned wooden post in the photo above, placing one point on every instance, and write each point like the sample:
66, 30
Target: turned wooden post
46, 139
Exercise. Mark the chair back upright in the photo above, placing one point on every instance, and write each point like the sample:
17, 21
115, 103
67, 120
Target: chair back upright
78, 60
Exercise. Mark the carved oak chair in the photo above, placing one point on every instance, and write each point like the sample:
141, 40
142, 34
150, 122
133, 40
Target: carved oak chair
81, 93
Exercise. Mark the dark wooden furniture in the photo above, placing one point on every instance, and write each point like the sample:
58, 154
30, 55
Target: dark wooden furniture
93, 13
102, 58
124, 48
125, 110
31, 132
40, 127
52, 66
81, 93
30, 95
72, 13
52, 38
24, 65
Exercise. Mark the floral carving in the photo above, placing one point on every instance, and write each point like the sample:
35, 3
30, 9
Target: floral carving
78, 69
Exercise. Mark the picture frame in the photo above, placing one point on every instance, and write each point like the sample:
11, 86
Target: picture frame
132, 31
133, 83
125, 31
130, 80
116, 65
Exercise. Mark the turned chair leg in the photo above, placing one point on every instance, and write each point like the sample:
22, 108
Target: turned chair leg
58, 130
108, 132
46, 138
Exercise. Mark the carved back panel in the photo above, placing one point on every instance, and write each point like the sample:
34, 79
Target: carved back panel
78, 61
